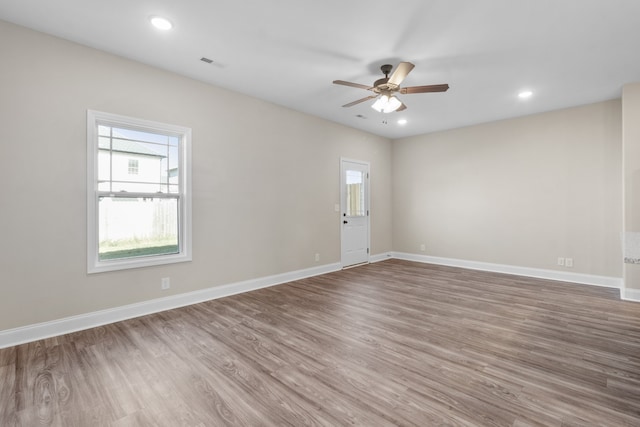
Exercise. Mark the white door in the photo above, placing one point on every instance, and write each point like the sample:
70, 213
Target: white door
354, 212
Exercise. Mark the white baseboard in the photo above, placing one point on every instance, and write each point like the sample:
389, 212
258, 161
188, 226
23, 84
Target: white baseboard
21, 335
380, 257
585, 279
631, 295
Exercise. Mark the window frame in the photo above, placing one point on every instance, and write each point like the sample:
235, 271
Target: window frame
94, 264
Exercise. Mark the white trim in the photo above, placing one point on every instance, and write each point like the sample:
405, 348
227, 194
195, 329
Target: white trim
631, 295
380, 257
585, 279
21, 335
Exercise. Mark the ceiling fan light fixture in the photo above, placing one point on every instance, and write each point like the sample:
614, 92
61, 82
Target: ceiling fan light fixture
380, 102
525, 94
386, 104
161, 23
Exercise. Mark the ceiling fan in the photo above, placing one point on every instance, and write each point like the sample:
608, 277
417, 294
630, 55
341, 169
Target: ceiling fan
386, 88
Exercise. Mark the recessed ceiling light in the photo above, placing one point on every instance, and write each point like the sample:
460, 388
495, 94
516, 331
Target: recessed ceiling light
161, 23
402, 121
525, 94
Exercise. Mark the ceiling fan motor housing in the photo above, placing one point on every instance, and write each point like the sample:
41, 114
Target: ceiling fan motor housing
381, 84
389, 86
382, 81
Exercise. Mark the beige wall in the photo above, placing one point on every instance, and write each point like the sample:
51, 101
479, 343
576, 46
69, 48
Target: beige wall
631, 150
265, 180
519, 192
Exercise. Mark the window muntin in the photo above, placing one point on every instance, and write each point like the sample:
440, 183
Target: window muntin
143, 218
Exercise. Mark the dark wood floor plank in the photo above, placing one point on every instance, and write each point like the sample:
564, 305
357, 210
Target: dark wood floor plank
8, 410
387, 344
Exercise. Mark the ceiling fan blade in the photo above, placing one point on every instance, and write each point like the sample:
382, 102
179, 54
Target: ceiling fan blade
401, 107
425, 89
400, 73
351, 104
358, 85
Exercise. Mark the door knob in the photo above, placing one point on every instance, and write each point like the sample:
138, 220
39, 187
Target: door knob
345, 222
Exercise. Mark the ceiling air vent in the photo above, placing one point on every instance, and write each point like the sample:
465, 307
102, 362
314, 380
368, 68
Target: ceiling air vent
207, 60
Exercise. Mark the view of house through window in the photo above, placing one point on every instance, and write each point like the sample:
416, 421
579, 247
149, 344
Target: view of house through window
138, 186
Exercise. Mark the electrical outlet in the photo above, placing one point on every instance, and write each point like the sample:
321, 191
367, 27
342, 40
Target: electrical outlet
561, 261
165, 283
423, 247
568, 262
317, 257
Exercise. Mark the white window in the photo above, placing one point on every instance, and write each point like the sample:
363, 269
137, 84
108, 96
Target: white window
138, 192
133, 166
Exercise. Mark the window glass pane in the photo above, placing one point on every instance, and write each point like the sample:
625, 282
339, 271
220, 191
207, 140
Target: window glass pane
137, 227
355, 193
169, 169
104, 162
141, 136
104, 141
137, 161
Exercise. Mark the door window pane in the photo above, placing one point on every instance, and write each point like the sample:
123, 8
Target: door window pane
355, 193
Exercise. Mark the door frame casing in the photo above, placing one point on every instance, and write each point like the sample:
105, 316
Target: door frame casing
367, 196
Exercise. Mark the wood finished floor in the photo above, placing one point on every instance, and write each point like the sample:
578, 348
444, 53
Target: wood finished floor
393, 343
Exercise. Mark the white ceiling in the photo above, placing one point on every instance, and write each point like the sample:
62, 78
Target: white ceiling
568, 52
